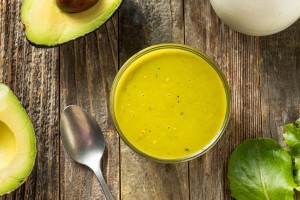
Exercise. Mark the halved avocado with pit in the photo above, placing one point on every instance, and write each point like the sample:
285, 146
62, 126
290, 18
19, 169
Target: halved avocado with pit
17, 142
46, 24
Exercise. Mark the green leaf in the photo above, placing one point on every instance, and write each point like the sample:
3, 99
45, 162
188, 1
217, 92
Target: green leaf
261, 169
292, 138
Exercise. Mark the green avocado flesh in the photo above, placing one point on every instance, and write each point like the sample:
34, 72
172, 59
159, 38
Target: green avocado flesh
17, 142
46, 24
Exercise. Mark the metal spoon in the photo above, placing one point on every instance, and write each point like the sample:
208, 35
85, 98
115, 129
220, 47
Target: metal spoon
84, 141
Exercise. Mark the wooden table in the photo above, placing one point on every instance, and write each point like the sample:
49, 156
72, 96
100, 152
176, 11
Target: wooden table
263, 74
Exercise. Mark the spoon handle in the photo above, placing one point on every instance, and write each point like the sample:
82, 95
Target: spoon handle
103, 184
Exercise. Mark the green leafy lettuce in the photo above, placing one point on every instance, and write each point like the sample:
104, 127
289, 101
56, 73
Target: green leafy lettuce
260, 169
292, 139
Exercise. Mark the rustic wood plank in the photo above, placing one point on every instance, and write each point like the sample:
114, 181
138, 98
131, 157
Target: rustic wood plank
144, 23
279, 59
88, 67
32, 73
236, 55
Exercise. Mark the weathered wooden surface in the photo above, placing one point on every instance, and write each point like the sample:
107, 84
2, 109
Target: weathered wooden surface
263, 74
87, 69
33, 75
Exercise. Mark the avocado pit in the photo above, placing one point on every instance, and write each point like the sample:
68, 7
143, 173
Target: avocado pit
75, 6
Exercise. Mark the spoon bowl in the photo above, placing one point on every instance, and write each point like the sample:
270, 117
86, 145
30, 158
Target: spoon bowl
84, 141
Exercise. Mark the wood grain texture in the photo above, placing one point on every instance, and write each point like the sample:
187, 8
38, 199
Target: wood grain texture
279, 59
32, 74
144, 23
263, 74
88, 66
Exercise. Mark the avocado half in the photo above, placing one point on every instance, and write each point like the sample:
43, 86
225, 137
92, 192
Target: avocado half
46, 24
17, 142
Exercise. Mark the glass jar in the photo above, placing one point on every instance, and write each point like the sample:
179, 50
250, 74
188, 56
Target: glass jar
170, 103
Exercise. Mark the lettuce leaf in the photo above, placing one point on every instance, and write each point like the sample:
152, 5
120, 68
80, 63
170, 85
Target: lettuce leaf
261, 169
292, 139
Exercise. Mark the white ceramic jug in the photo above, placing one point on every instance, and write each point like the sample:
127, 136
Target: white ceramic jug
257, 17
